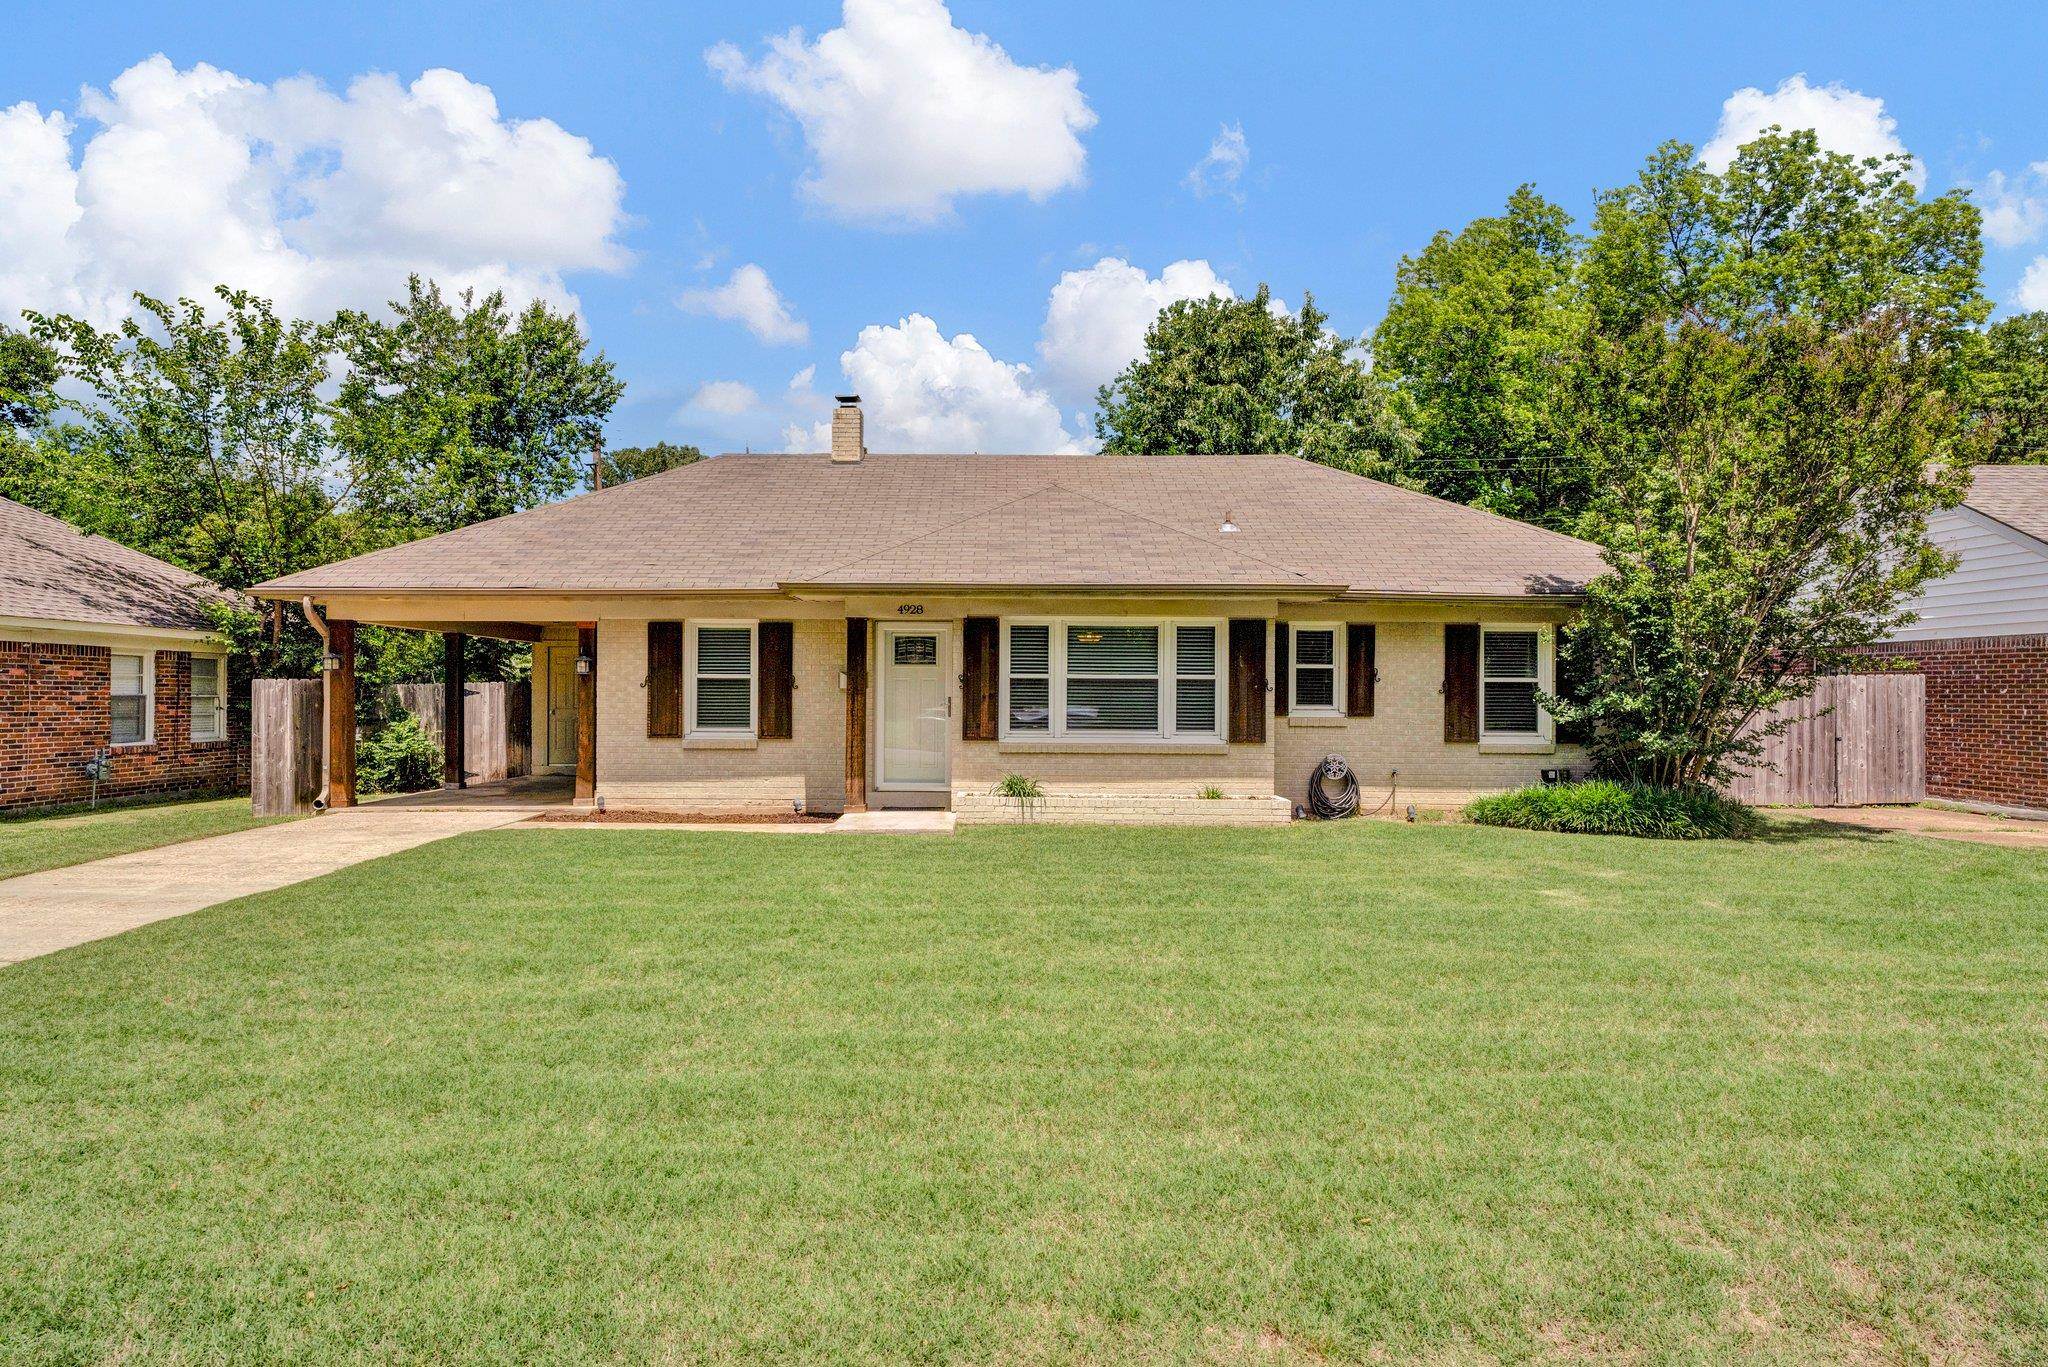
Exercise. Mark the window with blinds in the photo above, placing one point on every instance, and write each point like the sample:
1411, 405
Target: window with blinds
1509, 672
209, 719
722, 679
1315, 669
1109, 679
129, 700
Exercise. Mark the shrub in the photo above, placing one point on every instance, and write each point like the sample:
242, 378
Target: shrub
1604, 807
1017, 785
398, 757
1212, 793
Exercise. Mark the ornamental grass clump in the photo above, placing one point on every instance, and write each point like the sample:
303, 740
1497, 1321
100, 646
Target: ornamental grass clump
1605, 807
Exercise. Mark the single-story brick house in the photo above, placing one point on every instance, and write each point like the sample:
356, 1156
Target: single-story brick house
106, 653
1981, 639
846, 630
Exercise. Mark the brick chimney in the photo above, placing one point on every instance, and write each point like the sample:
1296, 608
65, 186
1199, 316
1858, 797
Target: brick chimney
847, 446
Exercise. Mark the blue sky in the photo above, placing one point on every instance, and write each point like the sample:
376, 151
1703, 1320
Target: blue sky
967, 211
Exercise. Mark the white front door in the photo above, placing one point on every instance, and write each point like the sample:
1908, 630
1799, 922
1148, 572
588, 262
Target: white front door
561, 695
916, 706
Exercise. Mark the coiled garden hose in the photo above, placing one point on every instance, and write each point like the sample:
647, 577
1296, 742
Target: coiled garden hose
1326, 805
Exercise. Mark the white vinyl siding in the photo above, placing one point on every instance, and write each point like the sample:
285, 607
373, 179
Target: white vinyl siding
209, 717
1111, 679
1999, 586
719, 660
129, 698
1318, 669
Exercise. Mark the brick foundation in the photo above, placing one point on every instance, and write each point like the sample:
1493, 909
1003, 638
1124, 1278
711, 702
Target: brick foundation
1987, 717
55, 715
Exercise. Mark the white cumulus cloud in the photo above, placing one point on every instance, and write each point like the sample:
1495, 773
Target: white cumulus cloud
2015, 207
2033, 290
1222, 166
724, 396
903, 112
1095, 319
196, 177
749, 297
1843, 120
924, 391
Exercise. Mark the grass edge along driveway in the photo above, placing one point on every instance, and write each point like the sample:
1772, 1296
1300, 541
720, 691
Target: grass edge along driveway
1048, 1094
30, 844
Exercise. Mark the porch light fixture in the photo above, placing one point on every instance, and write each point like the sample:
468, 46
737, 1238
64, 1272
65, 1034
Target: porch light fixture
1228, 525
582, 664
331, 661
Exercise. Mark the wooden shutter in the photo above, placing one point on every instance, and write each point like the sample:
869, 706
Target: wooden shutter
1283, 659
775, 684
664, 678
1461, 682
1361, 668
980, 678
1248, 680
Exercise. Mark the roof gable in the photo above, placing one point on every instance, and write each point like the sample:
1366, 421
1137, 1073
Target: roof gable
2016, 495
51, 571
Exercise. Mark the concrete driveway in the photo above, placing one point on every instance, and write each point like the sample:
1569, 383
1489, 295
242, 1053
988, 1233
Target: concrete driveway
1942, 823
41, 913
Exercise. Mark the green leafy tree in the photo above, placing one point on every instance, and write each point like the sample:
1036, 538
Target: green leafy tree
1768, 401
31, 468
1477, 347
2011, 395
629, 463
454, 412
1240, 376
206, 439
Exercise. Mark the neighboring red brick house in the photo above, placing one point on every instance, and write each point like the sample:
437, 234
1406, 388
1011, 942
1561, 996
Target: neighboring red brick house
1982, 641
106, 653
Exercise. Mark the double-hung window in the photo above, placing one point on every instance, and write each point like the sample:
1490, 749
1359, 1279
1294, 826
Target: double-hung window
1511, 670
721, 678
1111, 680
129, 700
1315, 664
209, 718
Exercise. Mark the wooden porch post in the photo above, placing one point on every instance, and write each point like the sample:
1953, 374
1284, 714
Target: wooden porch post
454, 755
856, 714
341, 715
586, 711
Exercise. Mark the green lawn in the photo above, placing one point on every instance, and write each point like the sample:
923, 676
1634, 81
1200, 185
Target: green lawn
1043, 1094
51, 842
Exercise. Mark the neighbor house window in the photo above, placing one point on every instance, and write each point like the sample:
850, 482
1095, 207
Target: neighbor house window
130, 699
1110, 679
209, 719
1510, 672
721, 678
1314, 660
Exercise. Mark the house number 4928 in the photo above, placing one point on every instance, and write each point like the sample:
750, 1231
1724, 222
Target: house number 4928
910, 609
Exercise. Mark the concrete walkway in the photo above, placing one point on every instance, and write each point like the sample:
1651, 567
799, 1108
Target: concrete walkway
41, 913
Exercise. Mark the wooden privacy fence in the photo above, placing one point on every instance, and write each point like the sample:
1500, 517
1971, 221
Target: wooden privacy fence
491, 712
285, 722
1856, 739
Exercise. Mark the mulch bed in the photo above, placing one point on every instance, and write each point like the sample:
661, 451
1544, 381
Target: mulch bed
640, 816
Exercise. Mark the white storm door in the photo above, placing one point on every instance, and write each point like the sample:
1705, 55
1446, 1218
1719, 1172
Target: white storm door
915, 707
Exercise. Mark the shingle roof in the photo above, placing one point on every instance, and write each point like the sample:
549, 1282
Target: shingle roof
2016, 495
51, 571
758, 523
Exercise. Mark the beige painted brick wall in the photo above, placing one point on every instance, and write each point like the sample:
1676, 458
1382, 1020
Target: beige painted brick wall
634, 769
1406, 730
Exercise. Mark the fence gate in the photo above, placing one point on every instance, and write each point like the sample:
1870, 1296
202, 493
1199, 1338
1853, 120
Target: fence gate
286, 724
1856, 739
488, 719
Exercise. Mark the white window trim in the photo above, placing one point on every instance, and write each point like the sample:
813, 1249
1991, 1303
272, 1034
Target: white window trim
1338, 650
1544, 737
220, 702
148, 700
1056, 683
692, 731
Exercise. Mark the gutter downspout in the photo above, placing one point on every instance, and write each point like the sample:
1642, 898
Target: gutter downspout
326, 701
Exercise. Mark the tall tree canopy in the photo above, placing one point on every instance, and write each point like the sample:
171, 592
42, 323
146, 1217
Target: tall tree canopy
629, 463
453, 412
1477, 347
2011, 395
1243, 376
1767, 400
